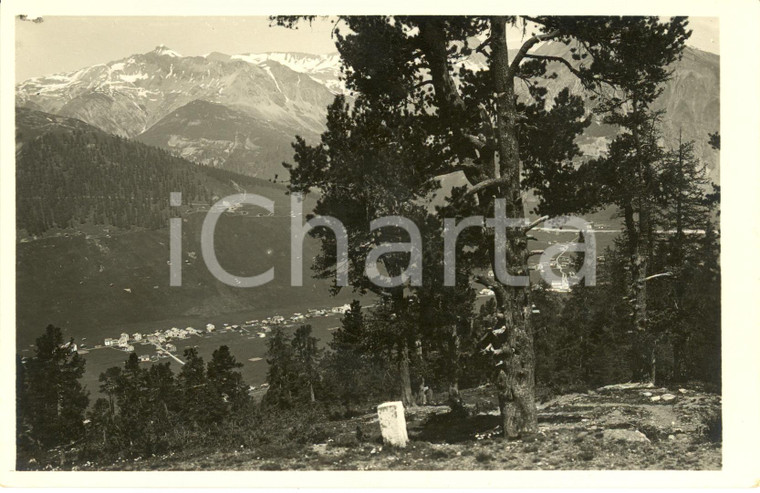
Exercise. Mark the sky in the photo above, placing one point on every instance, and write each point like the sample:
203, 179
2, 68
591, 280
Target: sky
64, 44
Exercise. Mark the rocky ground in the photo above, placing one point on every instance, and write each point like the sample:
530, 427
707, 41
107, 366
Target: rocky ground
627, 426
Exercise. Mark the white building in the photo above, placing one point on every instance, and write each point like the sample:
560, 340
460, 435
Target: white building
341, 309
137, 336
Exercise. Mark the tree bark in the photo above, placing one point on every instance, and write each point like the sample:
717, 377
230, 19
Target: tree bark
516, 380
678, 337
455, 399
407, 396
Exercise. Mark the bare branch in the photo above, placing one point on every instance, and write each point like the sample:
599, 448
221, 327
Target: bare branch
485, 281
559, 59
534, 20
591, 83
483, 45
475, 141
535, 223
485, 184
655, 276
530, 43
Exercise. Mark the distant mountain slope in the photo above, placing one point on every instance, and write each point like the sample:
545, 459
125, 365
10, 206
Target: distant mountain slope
126, 96
325, 69
31, 124
690, 100
216, 135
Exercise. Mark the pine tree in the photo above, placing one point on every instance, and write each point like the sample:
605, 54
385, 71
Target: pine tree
131, 399
193, 385
685, 211
282, 373
629, 178
307, 356
54, 400
226, 381
345, 365
474, 124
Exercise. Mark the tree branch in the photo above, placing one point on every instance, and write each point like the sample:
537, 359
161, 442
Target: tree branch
475, 141
492, 182
655, 276
534, 20
484, 281
535, 223
483, 45
514, 66
559, 59
591, 83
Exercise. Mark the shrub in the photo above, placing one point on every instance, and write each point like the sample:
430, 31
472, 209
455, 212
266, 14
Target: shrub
483, 457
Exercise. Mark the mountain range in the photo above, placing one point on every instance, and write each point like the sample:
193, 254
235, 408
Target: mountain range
241, 112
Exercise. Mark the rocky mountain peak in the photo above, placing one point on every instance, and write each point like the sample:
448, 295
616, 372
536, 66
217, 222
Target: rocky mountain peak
163, 50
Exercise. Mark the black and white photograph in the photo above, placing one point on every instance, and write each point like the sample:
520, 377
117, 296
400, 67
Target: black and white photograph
372, 242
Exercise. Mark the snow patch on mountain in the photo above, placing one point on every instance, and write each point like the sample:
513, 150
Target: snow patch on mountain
324, 69
163, 50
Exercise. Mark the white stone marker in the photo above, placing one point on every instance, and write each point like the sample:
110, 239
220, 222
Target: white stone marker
392, 423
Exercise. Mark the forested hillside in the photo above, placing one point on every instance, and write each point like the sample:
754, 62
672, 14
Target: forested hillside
69, 173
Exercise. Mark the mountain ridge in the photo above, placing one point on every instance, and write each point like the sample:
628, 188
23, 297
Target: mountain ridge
285, 94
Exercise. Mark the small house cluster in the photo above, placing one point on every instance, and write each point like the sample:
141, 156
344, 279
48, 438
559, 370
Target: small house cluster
156, 338
121, 343
161, 338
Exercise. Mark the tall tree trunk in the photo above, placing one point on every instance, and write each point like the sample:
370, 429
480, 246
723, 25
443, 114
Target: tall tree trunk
404, 341
405, 380
516, 380
678, 337
640, 243
516, 366
455, 398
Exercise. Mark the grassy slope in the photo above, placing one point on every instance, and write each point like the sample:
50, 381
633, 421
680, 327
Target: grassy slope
576, 431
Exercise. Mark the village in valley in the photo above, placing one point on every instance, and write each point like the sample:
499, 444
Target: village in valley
164, 341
